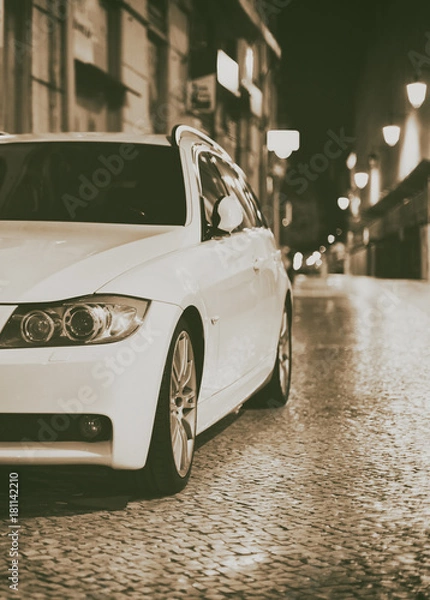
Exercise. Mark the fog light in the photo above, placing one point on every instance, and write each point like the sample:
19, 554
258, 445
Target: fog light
90, 426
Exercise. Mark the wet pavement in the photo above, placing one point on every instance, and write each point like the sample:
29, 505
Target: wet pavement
327, 498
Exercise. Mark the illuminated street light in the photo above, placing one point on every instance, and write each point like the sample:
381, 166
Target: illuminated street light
283, 152
331, 239
297, 261
391, 134
416, 93
355, 206
228, 73
249, 64
351, 161
343, 203
361, 179
283, 142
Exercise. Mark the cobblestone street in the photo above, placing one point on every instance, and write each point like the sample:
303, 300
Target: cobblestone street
327, 498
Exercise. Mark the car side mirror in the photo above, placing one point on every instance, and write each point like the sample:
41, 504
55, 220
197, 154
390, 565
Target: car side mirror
227, 214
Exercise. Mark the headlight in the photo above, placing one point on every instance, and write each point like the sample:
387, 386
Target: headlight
81, 321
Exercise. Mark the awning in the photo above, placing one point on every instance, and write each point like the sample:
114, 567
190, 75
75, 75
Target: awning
414, 183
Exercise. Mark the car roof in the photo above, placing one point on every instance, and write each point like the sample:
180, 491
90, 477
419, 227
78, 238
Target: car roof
125, 138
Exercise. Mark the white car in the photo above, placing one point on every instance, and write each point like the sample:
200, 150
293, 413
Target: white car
142, 299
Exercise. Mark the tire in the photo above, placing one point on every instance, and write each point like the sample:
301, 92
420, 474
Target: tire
275, 393
171, 451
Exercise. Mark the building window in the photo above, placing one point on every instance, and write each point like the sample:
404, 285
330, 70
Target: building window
203, 48
157, 84
96, 41
17, 65
157, 12
48, 69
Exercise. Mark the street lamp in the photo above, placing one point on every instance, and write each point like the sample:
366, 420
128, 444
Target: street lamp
351, 161
331, 239
343, 203
361, 179
283, 142
391, 134
417, 92
297, 261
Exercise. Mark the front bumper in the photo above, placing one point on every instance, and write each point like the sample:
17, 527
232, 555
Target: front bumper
120, 381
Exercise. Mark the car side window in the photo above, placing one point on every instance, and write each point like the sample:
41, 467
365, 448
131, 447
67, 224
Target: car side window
252, 199
234, 186
212, 187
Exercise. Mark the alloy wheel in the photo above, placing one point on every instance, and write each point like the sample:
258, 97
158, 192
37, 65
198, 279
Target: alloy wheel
183, 403
284, 358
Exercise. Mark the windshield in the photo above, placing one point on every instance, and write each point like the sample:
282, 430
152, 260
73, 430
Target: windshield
93, 182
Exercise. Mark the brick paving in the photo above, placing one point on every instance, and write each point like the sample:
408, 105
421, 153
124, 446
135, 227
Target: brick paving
327, 498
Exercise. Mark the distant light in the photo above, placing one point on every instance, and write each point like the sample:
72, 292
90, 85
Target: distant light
283, 142
416, 93
375, 186
311, 260
278, 170
411, 153
288, 212
323, 249
316, 255
391, 134
351, 161
228, 73
249, 64
343, 202
355, 206
373, 160
339, 231
366, 236
319, 263
297, 261
331, 239
361, 179
255, 100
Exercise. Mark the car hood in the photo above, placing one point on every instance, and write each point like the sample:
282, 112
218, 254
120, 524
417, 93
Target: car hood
42, 262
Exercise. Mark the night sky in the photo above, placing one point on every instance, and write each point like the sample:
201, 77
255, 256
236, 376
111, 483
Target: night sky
324, 45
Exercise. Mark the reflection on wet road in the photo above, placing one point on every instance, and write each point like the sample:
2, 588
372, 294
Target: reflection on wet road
326, 498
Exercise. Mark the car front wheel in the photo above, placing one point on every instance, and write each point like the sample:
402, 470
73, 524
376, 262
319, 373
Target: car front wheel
171, 451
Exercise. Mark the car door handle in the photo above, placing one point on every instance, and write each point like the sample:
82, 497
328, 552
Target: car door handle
258, 263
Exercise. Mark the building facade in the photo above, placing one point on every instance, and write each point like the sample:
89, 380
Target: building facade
389, 224
142, 66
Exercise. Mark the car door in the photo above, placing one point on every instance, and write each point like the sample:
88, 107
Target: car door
231, 293
266, 261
